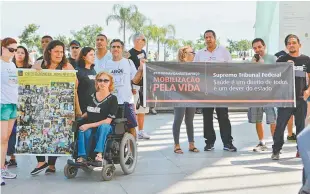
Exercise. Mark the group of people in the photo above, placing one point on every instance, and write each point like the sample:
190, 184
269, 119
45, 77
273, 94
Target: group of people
105, 79
108, 78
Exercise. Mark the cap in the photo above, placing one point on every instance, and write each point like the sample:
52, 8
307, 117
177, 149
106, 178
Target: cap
74, 42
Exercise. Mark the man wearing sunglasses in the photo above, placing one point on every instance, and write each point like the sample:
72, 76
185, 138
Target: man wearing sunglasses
124, 74
75, 48
138, 56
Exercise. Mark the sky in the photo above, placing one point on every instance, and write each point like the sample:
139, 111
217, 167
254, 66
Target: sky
232, 19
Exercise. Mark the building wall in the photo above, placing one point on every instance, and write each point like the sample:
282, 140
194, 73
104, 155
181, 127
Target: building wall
275, 20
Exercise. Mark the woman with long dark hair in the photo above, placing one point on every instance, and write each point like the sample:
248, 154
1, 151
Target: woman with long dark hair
21, 58
54, 59
86, 76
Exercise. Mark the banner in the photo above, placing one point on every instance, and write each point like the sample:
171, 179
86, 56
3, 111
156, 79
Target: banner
45, 111
173, 84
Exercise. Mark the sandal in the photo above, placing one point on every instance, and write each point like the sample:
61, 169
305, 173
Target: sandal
194, 150
178, 151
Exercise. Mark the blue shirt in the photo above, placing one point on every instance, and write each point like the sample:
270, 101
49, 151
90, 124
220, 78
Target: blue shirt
9, 84
99, 63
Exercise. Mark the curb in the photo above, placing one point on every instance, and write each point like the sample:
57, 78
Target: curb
170, 109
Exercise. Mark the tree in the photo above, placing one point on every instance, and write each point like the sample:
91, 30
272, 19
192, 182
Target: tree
123, 15
232, 45
244, 45
188, 43
30, 38
87, 35
137, 24
64, 39
161, 33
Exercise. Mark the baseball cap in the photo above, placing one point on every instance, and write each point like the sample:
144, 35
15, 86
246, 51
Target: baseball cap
74, 42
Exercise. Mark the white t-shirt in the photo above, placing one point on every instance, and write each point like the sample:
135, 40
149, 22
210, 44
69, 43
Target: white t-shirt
220, 54
100, 62
123, 72
9, 84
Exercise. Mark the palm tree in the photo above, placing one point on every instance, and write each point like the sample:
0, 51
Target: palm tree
173, 44
123, 15
137, 23
160, 33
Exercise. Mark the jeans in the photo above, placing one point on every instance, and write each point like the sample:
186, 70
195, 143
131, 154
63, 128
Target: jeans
12, 141
284, 114
179, 113
304, 151
84, 139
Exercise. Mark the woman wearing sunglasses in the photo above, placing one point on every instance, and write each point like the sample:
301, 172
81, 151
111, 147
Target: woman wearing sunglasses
101, 110
21, 60
8, 100
86, 75
54, 59
186, 54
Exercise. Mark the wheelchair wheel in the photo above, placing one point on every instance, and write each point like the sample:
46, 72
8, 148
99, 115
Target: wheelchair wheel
70, 171
107, 172
128, 154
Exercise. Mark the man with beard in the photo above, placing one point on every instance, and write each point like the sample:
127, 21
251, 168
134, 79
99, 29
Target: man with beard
302, 70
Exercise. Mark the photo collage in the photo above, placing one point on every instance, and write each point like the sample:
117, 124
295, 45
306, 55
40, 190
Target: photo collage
44, 119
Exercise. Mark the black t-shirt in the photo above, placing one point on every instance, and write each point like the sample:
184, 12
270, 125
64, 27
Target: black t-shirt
98, 111
301, 67
135, 56
280, 53
73, 62
86, 87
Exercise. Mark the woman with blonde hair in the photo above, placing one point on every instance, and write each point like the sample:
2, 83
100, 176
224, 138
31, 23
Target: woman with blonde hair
186, 54
101, 110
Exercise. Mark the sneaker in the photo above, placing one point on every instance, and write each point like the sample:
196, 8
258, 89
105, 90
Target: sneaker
230, 147
2, 182
209, 147
292, 137
275, 156
38, 170
12, 163
260, 147
7, 175
153, 111
143, 135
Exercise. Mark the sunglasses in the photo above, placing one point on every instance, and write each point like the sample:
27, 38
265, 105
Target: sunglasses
12, 50
116, 47
103, 80
75, 47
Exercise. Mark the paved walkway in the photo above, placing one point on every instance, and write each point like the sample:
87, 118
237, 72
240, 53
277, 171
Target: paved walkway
159, 170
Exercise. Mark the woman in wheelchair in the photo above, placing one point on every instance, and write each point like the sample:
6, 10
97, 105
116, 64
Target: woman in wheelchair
101, 110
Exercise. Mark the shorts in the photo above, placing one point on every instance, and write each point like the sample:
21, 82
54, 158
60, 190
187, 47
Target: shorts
141, 110
130, 115
255, 115
8, 111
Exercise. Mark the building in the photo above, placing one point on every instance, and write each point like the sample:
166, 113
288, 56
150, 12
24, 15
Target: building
275, 20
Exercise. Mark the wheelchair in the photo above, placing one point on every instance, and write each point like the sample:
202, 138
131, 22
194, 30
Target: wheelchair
120, 148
